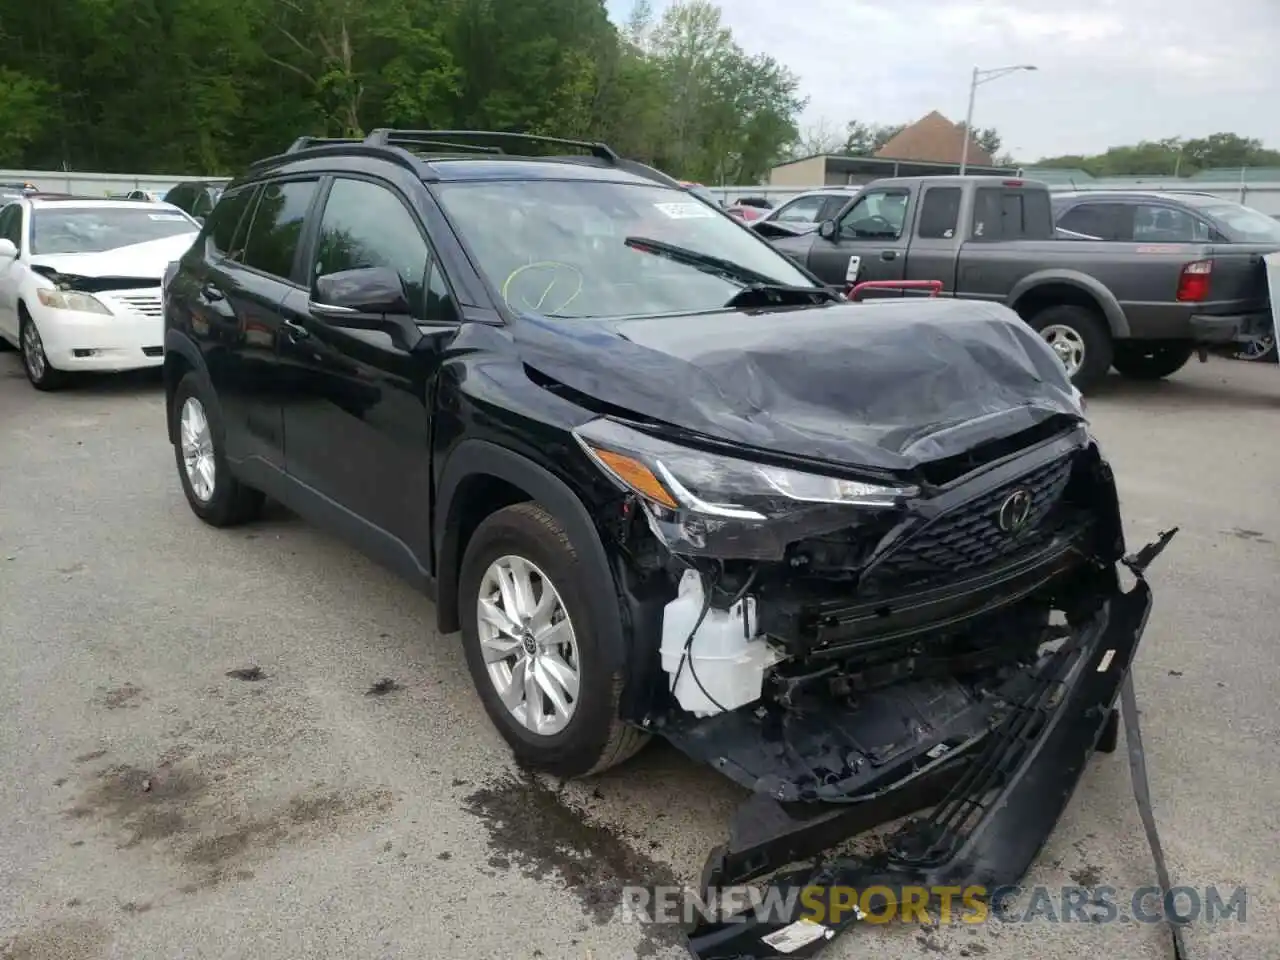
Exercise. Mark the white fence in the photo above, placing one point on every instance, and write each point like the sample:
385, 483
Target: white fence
97, 184
1264, 197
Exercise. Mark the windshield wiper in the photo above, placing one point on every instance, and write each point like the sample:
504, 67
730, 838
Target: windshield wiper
757, 289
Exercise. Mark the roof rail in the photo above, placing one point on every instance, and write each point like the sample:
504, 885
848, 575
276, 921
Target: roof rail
410, 139
385, 136
302, 143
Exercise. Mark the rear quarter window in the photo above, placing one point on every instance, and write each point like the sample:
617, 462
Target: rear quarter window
225, 221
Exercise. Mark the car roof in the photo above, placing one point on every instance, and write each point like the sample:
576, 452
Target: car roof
1173, 195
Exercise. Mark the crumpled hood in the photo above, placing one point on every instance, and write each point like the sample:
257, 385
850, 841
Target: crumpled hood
885, 385
136, 260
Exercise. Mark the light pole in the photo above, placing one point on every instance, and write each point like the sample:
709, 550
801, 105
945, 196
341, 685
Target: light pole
979, 77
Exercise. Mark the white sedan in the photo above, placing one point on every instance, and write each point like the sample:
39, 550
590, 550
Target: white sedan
80, 283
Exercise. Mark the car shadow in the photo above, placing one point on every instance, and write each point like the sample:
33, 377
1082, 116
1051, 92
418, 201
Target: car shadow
1216, 387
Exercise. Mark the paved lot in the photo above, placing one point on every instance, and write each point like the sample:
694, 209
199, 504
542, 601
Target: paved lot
157, 808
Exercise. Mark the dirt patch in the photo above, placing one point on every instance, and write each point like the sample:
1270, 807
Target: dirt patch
89, 757
67, 939
1087, 876
149, 805
248, 674
1257, 536
382, 687
213, 855
594, 861
118, 698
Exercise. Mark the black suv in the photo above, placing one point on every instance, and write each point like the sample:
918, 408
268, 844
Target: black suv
196, 197
660, 478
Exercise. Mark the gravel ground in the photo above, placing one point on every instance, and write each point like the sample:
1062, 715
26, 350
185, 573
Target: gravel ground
249, 744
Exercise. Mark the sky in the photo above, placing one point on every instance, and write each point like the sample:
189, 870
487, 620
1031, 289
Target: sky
1108, 72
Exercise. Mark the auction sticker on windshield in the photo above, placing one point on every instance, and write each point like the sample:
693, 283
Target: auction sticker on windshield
684, 211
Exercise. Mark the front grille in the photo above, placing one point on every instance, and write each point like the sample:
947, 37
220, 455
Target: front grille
146, 304
970, 537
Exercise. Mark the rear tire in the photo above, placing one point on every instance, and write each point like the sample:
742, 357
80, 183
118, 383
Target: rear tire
215, 496
1080, 338
527, 538
1151, 361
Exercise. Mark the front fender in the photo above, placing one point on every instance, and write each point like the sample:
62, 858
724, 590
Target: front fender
477, 458
1107, 302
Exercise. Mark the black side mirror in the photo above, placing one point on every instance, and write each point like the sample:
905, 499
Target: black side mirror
376, 290
369, 298
827, 230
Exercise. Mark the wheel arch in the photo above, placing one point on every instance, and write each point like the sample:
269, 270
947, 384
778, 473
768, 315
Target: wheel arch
1053, 288
181, 356
481, 478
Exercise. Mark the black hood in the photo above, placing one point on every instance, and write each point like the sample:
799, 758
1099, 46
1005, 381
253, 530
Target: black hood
887, 385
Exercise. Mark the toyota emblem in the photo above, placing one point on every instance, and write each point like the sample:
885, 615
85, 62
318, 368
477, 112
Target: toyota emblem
1015, 511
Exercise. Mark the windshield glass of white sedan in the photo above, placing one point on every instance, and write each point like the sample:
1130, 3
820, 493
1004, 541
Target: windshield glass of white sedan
94, 229
570, 249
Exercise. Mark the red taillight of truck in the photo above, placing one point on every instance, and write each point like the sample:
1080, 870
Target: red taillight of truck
1193, 284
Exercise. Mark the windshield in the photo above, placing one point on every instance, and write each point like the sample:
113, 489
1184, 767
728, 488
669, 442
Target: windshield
94, 229
561, 248
1245, 224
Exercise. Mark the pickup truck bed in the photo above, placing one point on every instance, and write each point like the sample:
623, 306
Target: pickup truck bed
1142, 308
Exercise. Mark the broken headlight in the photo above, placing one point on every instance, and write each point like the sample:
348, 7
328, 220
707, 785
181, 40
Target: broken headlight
703, 503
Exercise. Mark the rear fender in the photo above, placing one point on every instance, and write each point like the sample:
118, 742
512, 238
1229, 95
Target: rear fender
1082, 282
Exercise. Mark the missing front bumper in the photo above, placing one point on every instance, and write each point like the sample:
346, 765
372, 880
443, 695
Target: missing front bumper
994, 805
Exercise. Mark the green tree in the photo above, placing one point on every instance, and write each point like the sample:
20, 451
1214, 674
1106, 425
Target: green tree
864, 140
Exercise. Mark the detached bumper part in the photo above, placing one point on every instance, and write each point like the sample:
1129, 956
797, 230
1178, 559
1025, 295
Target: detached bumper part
996, 804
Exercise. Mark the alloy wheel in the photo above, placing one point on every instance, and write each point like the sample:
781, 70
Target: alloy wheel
33, 351
1067, 344
196, 440
528, 644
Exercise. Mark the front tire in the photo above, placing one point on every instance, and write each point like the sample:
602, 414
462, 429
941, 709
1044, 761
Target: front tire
215, 496
533, 650
35, 363
1080, 338
1151, 361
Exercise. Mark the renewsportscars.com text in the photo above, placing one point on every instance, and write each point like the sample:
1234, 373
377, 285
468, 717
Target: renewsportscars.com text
833, 905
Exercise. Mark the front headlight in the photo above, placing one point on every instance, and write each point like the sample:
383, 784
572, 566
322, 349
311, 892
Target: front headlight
705, 503
72, 300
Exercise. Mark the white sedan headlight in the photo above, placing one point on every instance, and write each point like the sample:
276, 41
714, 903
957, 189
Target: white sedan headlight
699, 502
72, 300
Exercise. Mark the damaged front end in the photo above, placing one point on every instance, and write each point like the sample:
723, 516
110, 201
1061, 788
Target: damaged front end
857, 648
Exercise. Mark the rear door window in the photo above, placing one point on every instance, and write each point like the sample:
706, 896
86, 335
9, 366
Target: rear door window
272, 242
939, 213
1102, 221
1011, 213
1154, 223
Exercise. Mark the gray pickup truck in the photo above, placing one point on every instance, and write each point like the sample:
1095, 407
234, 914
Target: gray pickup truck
1143, 308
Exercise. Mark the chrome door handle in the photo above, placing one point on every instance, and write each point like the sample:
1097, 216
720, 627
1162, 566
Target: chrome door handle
296, 330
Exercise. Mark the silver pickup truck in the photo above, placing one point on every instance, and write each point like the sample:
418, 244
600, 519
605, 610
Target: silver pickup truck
1141, 307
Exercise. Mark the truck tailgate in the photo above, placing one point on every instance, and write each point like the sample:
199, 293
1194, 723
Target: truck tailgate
1239, 279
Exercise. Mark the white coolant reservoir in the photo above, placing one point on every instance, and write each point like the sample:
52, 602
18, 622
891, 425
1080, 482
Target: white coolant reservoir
728, 661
